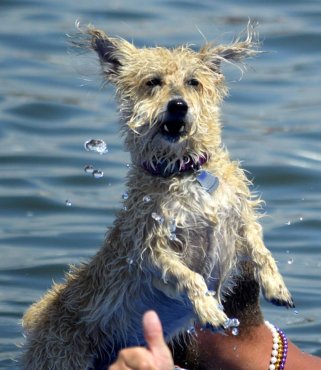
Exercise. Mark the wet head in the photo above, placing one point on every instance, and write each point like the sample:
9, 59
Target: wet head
169, 99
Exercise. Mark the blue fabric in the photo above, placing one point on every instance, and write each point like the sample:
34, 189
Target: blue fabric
173, 314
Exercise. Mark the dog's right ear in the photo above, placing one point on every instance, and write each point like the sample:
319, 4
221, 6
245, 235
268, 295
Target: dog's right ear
112, 51
244, 46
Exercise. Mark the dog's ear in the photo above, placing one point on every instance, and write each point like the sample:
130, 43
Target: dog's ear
245, 46
112, 51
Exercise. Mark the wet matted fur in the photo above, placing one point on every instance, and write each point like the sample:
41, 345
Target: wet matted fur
175, 245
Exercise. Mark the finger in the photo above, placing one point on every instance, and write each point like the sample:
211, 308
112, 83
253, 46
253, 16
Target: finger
153, 331
135, 358
119, 366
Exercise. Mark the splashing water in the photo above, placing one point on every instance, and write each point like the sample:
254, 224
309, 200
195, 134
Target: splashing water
191, 330
290, 261
235, 331
172, 225
130, 263
129, 260
158, 218
68, 203
147, 199
97, 174
125, 195
231, 323
172, 229
89, 168
210, 293
96, 145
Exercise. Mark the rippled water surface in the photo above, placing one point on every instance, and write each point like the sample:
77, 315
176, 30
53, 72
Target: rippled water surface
53, 212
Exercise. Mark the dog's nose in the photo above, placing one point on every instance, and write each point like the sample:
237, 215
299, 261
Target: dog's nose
177, 107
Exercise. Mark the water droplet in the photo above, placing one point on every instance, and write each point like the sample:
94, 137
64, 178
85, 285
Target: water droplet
235, 331
172, 236
296, 312
210, 293
125, 208
288, 223
97, 174
89, 168
147, 199
158, 218
68, 203
235, 322
301, 218
231, 323
130, 261
96, 145
290, 261
125, 195
128, 165
172, 225
191, 330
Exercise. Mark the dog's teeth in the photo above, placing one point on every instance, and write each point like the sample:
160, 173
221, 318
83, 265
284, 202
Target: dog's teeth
166, 128
181, 129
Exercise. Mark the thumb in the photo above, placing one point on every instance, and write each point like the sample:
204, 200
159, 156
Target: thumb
153, 331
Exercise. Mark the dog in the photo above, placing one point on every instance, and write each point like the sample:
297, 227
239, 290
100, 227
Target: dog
188, 217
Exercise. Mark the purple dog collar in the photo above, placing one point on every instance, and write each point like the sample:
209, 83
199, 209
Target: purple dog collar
159, 168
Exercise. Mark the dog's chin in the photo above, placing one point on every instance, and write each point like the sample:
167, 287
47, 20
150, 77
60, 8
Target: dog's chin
173, 131
172, 139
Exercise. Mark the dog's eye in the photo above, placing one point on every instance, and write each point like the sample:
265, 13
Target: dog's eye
154, 82
193, 82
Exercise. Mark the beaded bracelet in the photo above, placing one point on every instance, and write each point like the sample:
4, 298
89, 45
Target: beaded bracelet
279, 348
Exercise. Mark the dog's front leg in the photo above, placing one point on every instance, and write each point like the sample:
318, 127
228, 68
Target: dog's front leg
271, 281
206, 307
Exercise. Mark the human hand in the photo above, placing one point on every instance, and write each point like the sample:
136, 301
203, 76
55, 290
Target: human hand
156, 356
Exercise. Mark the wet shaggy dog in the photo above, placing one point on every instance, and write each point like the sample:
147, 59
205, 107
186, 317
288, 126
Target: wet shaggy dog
188, 219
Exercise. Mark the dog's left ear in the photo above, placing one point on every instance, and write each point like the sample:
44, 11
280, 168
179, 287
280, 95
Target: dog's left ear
245, 46
113, 52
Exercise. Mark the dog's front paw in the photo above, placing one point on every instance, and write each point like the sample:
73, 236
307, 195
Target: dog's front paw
210, 313
206, 307
275, 291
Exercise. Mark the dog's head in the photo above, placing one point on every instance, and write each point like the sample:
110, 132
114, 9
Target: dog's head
169, 98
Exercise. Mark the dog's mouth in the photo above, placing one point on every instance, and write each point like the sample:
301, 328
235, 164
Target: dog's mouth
173, 129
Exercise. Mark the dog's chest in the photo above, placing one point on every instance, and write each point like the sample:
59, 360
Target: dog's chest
198, 224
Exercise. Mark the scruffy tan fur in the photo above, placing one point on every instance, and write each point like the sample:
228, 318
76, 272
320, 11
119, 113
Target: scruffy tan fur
97, 309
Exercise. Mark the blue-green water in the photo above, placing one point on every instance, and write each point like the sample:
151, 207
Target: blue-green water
51, 102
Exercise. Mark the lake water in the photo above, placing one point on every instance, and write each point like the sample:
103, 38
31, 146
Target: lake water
51, 102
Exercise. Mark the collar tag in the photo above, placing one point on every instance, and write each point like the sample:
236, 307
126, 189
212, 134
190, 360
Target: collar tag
207, 180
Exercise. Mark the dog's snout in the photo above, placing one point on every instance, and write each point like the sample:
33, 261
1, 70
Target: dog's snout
177, 107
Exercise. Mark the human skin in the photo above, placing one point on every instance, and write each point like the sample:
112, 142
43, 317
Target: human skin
250, 350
